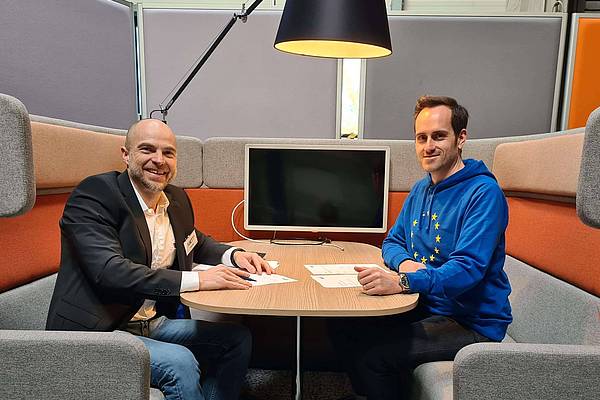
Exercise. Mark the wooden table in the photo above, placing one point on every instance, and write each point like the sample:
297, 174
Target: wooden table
306, 297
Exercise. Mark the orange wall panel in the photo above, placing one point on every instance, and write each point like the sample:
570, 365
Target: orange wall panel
213, 207
585, 92
549, 236
31, 242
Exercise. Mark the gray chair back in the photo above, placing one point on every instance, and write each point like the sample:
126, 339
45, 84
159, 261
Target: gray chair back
17, 188
588, 188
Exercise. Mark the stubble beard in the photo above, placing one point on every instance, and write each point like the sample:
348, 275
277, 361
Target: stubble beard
137, 175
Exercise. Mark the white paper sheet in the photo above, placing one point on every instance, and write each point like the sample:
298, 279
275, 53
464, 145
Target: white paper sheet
337, 269
264, 279
337, 281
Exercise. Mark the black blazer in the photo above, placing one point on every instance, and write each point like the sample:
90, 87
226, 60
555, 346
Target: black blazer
104, 274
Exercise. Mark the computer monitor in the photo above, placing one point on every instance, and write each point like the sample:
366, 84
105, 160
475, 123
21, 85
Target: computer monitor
317, 188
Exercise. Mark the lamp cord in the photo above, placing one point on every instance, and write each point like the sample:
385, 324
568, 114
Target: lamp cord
319, 242
238, 232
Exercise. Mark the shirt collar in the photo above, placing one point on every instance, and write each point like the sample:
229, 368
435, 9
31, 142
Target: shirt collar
163, 201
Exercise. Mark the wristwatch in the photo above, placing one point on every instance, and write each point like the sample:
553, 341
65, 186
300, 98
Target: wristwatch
403, 282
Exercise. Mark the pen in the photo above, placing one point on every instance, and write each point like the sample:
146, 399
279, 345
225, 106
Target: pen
248, 279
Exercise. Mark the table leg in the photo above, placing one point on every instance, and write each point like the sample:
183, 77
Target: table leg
298, 394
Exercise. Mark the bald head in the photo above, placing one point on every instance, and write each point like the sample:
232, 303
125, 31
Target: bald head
144, 127
151, 157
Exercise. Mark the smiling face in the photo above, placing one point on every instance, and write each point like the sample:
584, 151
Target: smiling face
438, 147
151, 158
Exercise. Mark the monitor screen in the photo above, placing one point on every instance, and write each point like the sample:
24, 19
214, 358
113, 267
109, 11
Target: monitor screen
335, 188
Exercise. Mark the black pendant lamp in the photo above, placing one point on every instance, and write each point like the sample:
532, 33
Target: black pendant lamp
335, 28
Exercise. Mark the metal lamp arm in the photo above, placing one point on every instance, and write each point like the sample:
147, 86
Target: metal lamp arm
243, 16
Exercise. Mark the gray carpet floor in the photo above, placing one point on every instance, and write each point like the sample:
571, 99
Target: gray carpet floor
279, 385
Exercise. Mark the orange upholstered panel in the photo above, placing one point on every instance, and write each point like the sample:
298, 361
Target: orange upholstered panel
585, 94
212, 210
549, 236
31, 242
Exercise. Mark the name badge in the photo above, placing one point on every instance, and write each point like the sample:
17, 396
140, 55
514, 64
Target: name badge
190, 242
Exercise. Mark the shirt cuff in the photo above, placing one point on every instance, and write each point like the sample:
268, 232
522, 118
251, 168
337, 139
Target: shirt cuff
190, 281
226, 257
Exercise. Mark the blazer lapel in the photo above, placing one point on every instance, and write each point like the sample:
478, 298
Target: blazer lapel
178, 225
138, 215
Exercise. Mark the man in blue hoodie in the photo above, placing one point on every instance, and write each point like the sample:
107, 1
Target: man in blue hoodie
447, 245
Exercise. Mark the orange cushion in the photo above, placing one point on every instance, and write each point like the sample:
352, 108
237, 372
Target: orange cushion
31, 242
549, 236
213, 207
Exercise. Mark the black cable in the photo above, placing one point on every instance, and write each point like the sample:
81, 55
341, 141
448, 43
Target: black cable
307, 242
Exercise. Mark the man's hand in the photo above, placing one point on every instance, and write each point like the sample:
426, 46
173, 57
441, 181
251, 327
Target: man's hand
222, 277
410, 266
377, 282
252, 262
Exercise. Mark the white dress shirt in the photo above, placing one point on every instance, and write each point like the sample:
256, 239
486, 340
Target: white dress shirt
163, 250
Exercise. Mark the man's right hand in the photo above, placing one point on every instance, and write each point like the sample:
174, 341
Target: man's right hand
222, 277
410, 266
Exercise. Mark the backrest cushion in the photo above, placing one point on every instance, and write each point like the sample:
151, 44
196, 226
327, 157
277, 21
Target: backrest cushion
17, 187
26, 307
588, 191
548, 310
545, 166
224, 159
64, 156
540, 179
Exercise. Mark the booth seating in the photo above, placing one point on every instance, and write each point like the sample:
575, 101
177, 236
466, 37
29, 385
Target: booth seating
552, 349
37, 364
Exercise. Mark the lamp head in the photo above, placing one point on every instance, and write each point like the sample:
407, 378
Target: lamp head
335, 28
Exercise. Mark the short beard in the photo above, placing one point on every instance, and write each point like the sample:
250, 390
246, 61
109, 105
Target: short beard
137, 175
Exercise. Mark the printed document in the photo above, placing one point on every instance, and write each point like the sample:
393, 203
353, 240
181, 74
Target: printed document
338, 269
337, 281
255, 279
264, 279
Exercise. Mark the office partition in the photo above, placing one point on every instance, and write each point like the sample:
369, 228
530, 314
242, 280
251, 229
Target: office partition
70, 59
247, 88
504, 69
582, 88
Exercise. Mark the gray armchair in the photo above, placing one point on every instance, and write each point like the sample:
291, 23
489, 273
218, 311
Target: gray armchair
37, 364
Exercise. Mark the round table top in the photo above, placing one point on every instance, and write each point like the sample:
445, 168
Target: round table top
305, 297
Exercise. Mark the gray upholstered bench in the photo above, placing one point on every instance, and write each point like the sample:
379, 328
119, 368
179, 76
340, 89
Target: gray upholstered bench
545, 310
552, 347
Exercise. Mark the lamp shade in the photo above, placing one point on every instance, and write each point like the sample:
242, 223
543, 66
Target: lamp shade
335, 28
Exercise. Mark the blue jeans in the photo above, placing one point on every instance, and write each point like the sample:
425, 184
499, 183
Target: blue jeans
181, 348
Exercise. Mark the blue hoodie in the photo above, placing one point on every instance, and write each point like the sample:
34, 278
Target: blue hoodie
456, 228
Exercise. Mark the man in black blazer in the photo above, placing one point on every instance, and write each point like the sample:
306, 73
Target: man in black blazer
127, 246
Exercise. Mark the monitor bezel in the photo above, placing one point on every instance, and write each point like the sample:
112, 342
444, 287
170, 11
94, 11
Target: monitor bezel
293, 228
